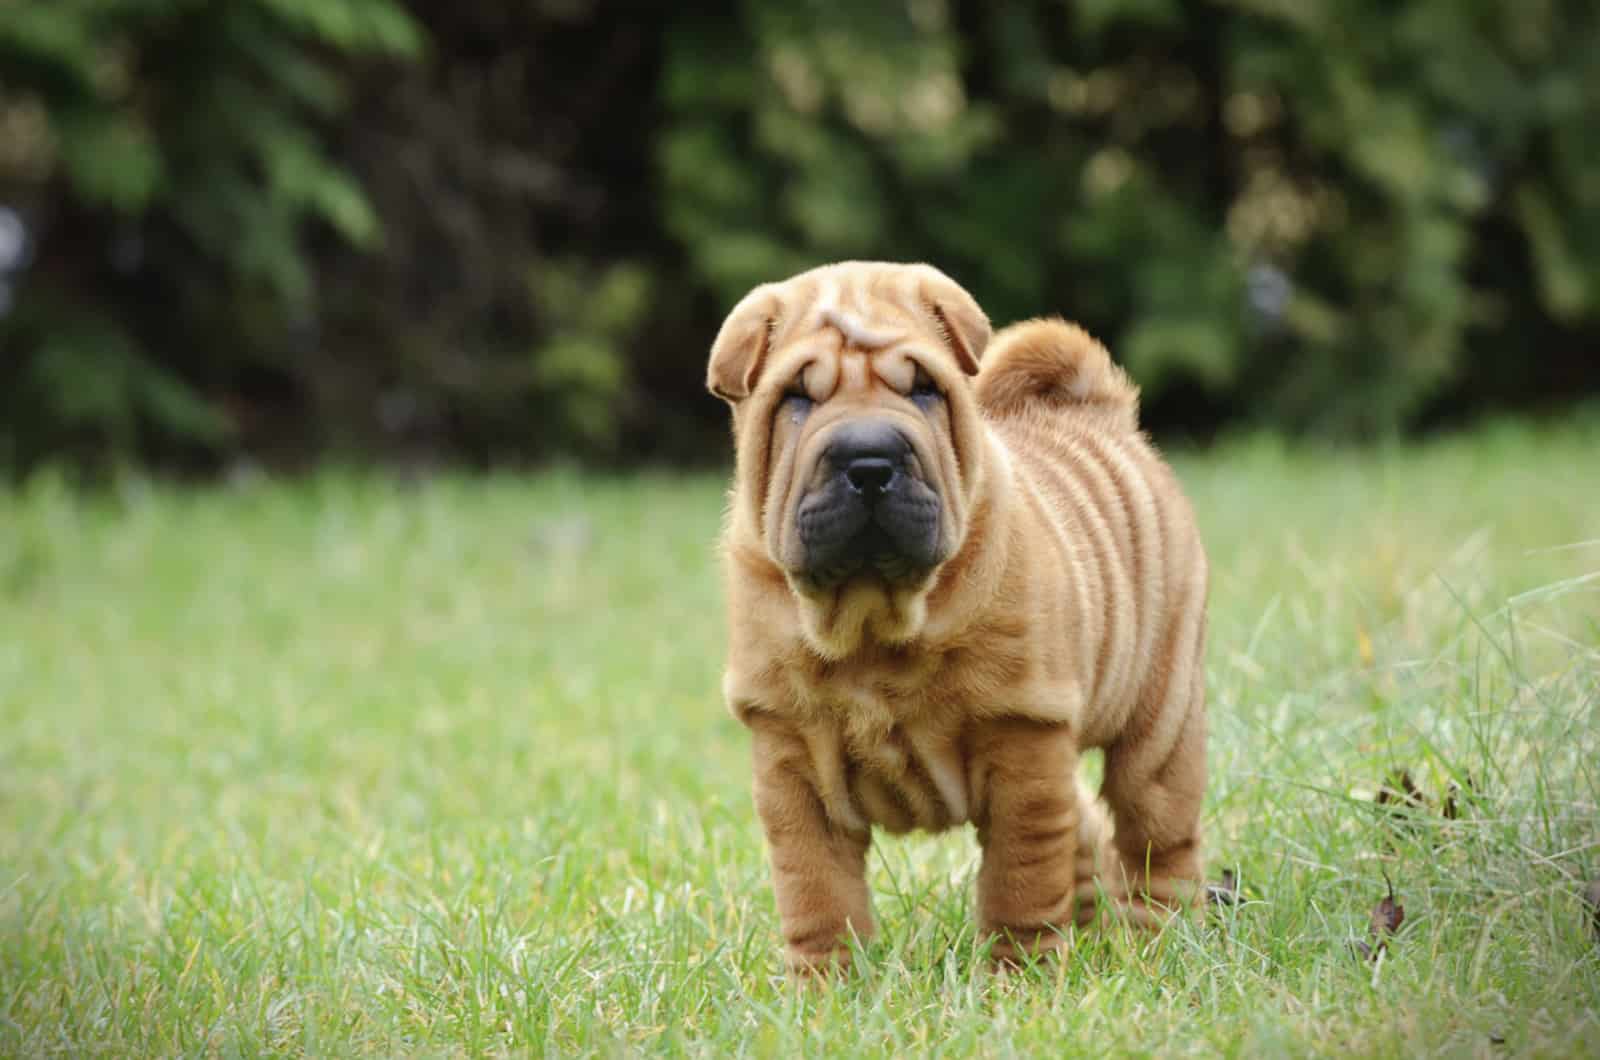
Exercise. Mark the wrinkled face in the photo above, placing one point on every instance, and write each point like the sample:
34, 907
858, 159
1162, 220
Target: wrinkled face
857, 435
864, 437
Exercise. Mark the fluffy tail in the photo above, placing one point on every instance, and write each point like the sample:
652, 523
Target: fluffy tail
1051, 364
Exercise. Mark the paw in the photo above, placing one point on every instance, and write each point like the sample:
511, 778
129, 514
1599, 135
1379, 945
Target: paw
817, 967
822, 955
1151, 905
1014, 947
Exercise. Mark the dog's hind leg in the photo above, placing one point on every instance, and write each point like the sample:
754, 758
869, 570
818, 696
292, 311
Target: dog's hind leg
1097, 873
1155, 781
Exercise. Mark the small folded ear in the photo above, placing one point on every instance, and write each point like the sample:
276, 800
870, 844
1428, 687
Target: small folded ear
965, 326
741, 347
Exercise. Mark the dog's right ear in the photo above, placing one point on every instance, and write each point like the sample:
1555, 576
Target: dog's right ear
740, 350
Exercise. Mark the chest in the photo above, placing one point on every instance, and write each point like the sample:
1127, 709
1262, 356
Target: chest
888, 738
874, 771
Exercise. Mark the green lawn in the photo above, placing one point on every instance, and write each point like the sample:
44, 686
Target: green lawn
352, 766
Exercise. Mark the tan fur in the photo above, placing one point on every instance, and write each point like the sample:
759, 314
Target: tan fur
1068, 612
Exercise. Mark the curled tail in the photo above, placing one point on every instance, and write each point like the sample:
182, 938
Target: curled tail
1051, 364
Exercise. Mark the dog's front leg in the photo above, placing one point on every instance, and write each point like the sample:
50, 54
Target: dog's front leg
819, 867
1028, 826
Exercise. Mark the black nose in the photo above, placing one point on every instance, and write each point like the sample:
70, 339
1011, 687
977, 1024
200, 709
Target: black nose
869, 474
870, 453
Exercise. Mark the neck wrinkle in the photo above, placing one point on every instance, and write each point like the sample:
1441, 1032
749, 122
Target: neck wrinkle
972, 577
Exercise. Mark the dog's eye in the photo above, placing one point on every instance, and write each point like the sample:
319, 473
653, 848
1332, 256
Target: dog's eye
924, 391
797, 404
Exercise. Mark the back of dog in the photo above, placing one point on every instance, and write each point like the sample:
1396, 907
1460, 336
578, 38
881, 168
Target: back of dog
1125, 588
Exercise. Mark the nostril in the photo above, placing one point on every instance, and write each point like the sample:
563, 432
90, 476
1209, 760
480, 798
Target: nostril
869, 474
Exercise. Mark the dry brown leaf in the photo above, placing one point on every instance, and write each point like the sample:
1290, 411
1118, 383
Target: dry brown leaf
1384, 921
1387, 916
1452, 807
1225, 892
1399, 789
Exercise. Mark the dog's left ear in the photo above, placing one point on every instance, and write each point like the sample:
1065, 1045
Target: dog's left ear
741, 347
965, 326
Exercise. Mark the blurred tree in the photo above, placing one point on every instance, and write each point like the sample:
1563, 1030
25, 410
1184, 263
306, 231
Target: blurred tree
170, 160
509, 309
1404, 166
494, 228
1330, 217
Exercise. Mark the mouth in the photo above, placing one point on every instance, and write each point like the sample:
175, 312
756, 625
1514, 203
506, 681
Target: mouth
848, 535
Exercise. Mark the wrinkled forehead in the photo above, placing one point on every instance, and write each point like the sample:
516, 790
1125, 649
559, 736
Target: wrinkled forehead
845, 329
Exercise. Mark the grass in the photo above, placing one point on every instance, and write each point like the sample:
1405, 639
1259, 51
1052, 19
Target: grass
355, 766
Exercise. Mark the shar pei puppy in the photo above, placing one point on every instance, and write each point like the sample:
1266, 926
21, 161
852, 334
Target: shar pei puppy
952, 563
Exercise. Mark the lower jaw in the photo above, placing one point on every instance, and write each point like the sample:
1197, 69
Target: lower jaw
890, 573
873, 559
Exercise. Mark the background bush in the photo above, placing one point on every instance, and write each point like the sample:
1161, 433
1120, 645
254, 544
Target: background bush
498, 230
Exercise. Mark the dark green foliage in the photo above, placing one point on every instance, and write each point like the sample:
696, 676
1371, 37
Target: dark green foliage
171, 159
1324, 215
510, 228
